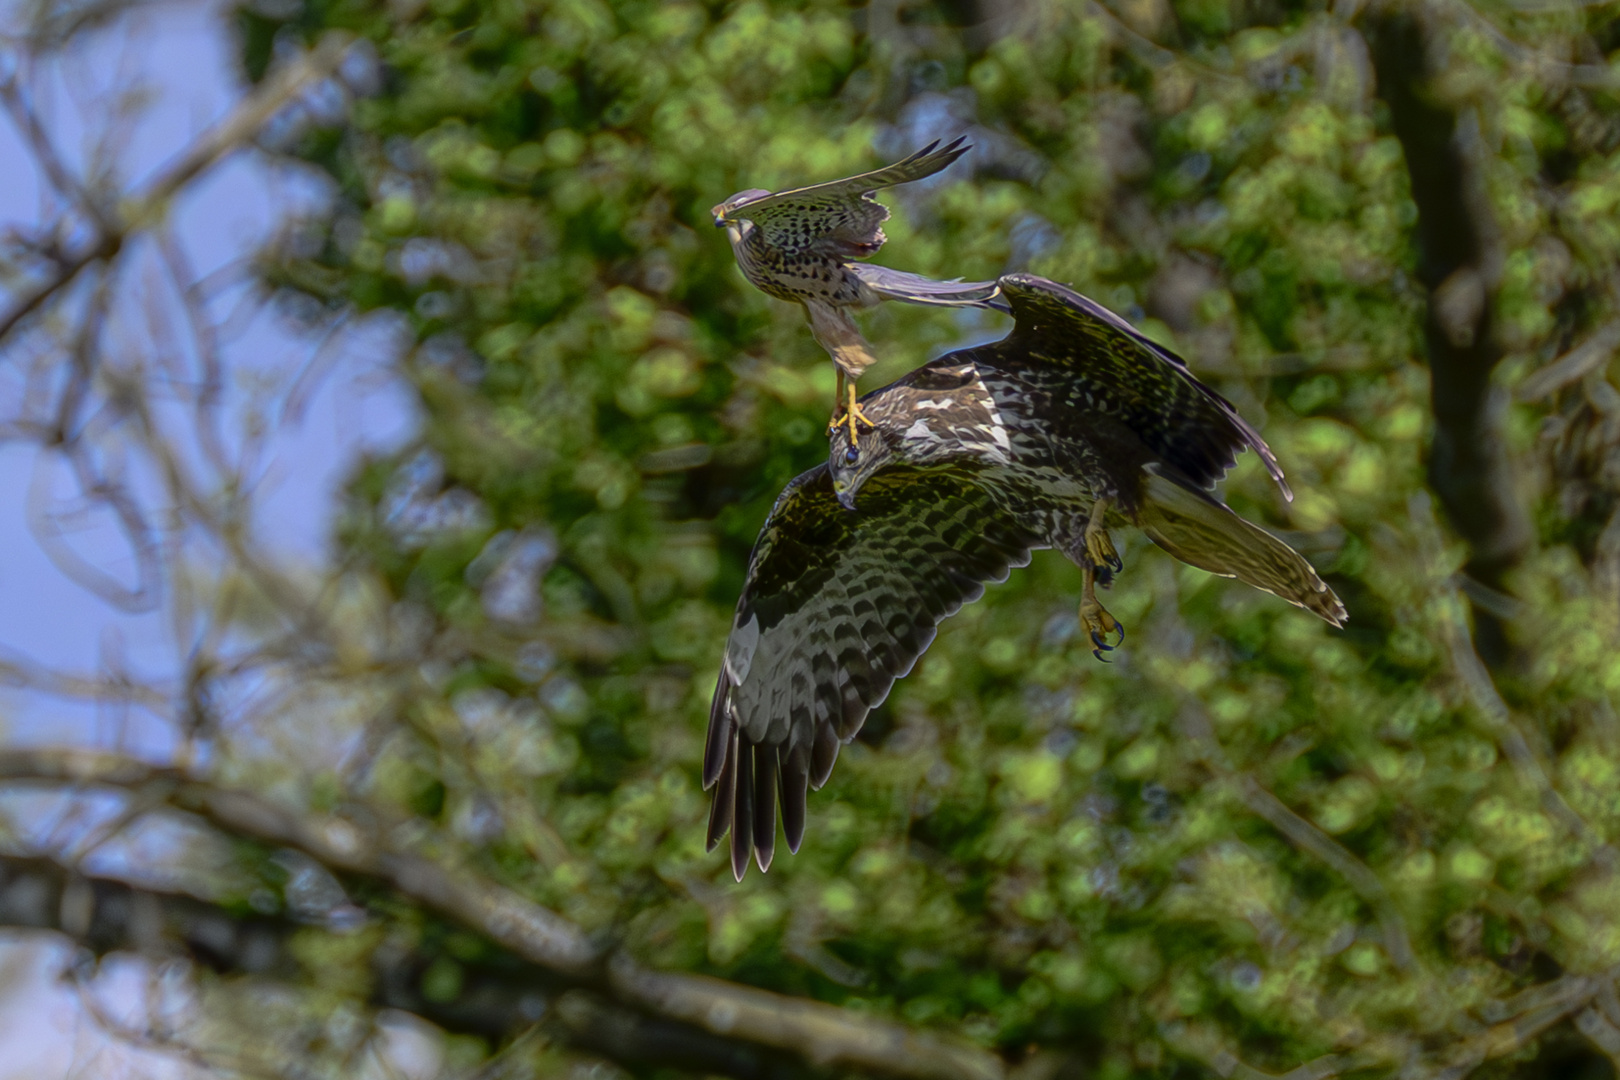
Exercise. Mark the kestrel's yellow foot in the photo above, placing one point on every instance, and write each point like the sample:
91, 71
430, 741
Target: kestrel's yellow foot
855, 416
852, 415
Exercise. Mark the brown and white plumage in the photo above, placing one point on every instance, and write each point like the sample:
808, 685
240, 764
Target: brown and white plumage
803, 245
974, 460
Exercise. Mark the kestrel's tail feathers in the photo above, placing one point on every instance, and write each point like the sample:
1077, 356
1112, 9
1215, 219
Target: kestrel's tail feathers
1196, 529
834, 330
916, 289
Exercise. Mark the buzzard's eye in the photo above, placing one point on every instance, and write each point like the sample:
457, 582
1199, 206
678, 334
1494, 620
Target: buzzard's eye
852, 455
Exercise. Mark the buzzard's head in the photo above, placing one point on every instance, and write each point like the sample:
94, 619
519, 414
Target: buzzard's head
852, 463
736, 225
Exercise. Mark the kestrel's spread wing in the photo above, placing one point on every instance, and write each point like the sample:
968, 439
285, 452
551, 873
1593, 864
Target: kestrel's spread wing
839, 214
838, 605
893, 284
1119, 371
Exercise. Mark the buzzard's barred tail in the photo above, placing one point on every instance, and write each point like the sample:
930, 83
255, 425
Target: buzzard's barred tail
1203, 533
916, 289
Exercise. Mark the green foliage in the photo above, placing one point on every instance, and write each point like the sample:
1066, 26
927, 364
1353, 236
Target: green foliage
1023, 845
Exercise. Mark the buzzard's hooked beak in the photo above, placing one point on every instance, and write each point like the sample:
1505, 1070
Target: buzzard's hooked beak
846, 497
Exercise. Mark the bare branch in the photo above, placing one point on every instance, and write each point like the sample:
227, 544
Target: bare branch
819, 1033
1593, 351
1591, 1022
20, 672
143, 210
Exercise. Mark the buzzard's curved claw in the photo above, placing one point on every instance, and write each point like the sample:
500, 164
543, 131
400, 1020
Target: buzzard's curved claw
1101, 647
1099, 626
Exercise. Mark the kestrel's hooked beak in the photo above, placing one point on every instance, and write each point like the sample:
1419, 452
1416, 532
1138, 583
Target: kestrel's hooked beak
846, 497
719, 213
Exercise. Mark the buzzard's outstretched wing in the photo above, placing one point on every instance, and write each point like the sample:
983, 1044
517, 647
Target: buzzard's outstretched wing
839, 211
1125, 374
838, 605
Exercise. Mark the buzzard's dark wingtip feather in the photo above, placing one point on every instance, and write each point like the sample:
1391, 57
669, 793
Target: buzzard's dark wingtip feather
742, 816
723, 809
714, 745
795, 794
823, 756
766, 773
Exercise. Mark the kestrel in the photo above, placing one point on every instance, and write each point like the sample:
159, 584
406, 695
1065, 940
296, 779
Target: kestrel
803, 245
1073, 422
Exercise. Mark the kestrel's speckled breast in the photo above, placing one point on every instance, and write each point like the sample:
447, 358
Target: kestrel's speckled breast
804, 276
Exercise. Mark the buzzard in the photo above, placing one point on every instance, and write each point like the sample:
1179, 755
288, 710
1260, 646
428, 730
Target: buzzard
801, 245
1072, 423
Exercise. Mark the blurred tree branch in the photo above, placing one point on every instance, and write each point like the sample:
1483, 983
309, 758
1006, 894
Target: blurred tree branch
822, 1035
104, 915
1305, 836
113, 221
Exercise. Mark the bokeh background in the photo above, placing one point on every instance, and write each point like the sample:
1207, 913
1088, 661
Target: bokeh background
386, 428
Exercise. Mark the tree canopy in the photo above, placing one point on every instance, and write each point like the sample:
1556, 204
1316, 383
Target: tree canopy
1386, 231
1252, 835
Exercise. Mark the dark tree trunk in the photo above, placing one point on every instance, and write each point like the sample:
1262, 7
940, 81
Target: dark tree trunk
1460, 263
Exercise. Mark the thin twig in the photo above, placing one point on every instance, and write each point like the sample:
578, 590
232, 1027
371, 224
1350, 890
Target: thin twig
1596, 349
1304, 835
1481, 691
143, 209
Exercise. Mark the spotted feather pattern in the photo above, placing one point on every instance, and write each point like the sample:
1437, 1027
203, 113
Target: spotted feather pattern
830, 218
805, 245
973, 460
838, 606
1079, 359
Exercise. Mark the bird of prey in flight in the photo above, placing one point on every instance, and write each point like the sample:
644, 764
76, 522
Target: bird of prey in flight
1072, 423
803, 245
